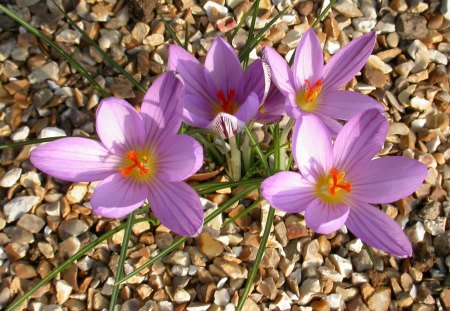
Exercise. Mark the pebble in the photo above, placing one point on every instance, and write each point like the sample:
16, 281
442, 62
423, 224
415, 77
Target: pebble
49, 71
10, 177
72, 227
416, 233
307, 290
51, 132
63, 291
20, 134
347, 8
411, 26
31, 222
19, 206
181, 296
221, 297
343, 265
380, 300
209, 246
214, 11
76, 193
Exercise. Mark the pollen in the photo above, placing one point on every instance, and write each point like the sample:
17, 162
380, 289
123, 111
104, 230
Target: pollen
227, 103
333, 187
307, 98
138, 165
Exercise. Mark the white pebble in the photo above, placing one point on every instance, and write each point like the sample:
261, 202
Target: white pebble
10, 178
19, 206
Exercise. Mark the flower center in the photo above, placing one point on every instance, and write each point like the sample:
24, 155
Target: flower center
333, 187
307, 97
227, 103
138, 165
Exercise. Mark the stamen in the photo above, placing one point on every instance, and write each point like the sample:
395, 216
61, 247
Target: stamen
312, 91
336, 182
140, 165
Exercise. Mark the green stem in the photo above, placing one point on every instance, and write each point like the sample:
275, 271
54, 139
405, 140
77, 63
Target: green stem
283, 143
181, 240
57, 48
235, 157
30, 142
259, 255
123, 255
68, 262
257, 148
212, 187
251, 30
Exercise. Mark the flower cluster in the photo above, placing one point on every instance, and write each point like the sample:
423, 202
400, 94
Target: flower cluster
141, 157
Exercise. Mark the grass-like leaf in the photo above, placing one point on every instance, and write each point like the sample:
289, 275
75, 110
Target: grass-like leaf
29, 142
181, 240
258, 149
122, 256
78, 67
105, 55
241, 23
70, 261
171, 32
243, 212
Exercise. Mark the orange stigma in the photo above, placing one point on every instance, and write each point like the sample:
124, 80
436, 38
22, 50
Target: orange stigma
336, 181
227, 104
135, 164
307, 97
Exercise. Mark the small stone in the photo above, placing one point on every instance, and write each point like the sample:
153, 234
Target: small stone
49, 71
445, 298
214, 11
140, 31
226, 24
24, 271
63, 291
411, 26
20, 134
397, 128
267, 288
70, 246
155, 39
331, 274
30, 222
364, 24
231, 269
51, 132
354, 245
72, 227
320, 305
404, 300
308, 289
380, 300
30, 180
420, 103
221, 297
10, 178
283, 302
435, 227
296, 228
343, 265
181, 296
209, 246
19, 206
416, 233
76, 193
348, 8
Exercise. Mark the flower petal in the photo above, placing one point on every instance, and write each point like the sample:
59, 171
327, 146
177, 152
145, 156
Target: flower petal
326, 218
161, 109
345, 105
288, 191
179, 157
256, 79
197, 111
333, 126
249, 108
281, 72
312, 147
177, 206
272, 109
308, 59
226, 125
377, 229
386, 179
191, 71
347, 62
75, 159
117, 196
360, 139
119, 126
223, 66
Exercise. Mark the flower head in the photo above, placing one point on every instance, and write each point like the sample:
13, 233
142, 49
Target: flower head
338, 182
219, 95
139, 157
311, 87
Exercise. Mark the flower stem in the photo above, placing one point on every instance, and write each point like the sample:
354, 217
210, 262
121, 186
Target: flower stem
205, 188
282, 143
57, 48
123, 255
259, 255
181, 240
257, 148
235, 165
69, 261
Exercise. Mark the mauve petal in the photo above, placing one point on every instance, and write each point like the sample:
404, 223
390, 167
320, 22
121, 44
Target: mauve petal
226, 125
191, 71
312, 147
161, 108
223, 67
360, 139
272, 110
325, 218
333, 126
345, 105
249, 108
377, 229
308, 59
256, 79
177, 206
291, 107
281, 72
348, 61
119, 126
117, 196
197, 111
75, 159
386, 179
179, 157
288, 191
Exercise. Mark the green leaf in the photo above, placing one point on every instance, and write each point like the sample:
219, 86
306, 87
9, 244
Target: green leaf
29, 142
123, 255
258, 149
78, 67
243, 212
241, 22
171, 32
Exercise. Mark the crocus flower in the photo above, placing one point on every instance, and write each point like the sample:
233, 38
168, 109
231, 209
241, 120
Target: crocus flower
313, 88
338, 182
139, 157
272, 108
219, 95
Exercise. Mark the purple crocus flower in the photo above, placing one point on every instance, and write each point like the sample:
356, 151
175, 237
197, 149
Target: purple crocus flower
313, 88
139, 157
219, 95
338, 182
272, 108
